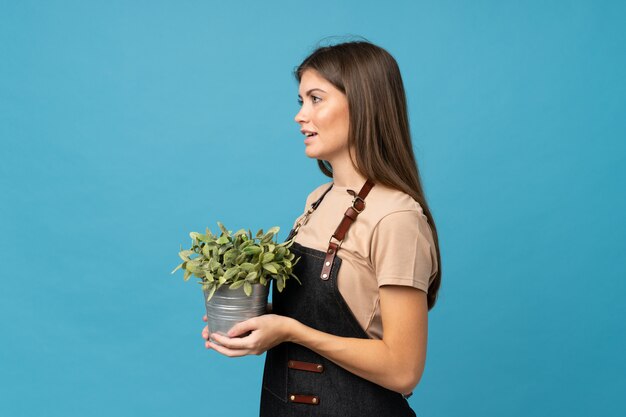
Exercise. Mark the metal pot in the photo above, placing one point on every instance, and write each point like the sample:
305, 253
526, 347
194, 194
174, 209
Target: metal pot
228, 307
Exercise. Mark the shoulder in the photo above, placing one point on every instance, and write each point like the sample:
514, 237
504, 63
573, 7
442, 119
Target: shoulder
391, 205
396, 216
317, 192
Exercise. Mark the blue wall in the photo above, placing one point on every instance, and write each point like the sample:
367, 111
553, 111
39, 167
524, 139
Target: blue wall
126, 125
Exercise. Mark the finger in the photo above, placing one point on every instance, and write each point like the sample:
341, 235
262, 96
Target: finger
243, 327
226, 351
204, 318
205, 332
231, 343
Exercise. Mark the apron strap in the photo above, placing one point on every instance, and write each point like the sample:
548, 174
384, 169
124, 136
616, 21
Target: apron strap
305, 216
358, 205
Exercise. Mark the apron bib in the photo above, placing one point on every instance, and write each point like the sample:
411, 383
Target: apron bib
300, 382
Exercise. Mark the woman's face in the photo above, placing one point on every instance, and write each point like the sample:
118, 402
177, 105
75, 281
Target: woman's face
324, 112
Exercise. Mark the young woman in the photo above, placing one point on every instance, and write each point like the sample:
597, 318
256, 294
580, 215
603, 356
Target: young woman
351, 340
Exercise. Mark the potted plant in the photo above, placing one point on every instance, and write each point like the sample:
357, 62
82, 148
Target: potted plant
235, 270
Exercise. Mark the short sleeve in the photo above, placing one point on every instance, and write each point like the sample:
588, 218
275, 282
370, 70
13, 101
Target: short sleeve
401, 250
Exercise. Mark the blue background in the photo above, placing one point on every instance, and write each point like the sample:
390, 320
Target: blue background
126, 125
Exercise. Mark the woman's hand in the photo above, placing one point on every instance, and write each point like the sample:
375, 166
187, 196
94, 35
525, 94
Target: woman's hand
266, 331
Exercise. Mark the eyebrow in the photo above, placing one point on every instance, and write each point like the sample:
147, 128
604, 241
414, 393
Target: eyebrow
308, 93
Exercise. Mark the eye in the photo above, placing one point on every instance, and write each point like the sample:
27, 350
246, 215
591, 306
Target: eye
314, 98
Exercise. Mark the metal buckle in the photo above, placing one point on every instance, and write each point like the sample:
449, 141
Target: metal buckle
356, 197
303, 220
354, 201
339, 241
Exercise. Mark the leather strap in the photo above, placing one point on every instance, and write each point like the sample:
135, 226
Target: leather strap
305, 366
358, 205
305, 399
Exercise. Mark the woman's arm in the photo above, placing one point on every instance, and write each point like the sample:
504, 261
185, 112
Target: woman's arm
396, 362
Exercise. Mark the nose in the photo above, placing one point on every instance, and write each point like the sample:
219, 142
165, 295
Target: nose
301, 116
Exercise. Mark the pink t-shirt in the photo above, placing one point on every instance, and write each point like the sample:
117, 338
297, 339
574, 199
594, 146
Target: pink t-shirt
390, 243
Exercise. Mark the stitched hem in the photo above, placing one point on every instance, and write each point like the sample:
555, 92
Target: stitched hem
404, 281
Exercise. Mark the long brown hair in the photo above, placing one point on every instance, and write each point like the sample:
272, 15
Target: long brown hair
379, 126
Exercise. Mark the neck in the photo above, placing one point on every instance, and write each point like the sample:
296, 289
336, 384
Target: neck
345, 174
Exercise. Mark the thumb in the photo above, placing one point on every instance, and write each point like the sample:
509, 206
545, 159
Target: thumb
243, 327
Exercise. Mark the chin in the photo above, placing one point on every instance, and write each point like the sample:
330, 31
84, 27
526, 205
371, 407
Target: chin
311, 153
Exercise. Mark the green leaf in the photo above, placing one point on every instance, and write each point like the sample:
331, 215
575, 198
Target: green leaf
274, 230
193, 265
247, 288
280, 284
236, 285
184, 255
296, 278
267, 257
223, 240
259, 234
223, 229
177, 268
252, 250
202, 238
240, 258
229, 256
187, 274
223, 248
230, 273
269, 235
247, 266
271, 267
211, 292
251, 276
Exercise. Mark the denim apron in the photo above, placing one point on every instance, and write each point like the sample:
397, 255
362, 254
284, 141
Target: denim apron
300, 382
